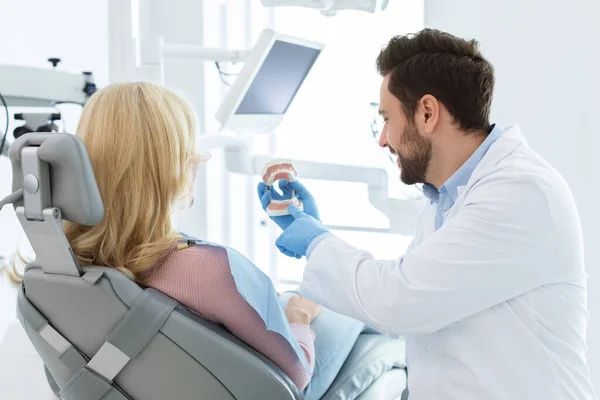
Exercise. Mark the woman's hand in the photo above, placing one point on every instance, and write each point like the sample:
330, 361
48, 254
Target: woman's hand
300, 310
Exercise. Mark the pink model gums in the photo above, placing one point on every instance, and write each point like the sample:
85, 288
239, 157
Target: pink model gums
274, 171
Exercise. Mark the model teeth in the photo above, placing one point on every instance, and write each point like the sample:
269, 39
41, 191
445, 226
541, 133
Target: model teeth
280, 207
288, 201
280, 170
290, 173
275, 167
275, 162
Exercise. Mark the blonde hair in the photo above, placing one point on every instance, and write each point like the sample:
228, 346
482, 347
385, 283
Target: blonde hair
141, 142
13, 269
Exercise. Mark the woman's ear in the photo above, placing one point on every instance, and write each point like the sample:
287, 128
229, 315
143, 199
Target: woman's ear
182, 203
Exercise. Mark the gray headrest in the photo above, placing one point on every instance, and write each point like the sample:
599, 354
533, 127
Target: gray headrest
72, 183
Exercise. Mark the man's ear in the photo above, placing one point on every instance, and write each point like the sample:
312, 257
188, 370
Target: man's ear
428, 114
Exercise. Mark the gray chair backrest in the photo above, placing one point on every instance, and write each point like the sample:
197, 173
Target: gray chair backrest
99, 334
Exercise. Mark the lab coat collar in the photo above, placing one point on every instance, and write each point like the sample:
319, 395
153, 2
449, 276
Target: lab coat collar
510, 139
456, 183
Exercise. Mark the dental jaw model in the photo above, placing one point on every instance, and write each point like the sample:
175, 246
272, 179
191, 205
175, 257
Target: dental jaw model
280, 170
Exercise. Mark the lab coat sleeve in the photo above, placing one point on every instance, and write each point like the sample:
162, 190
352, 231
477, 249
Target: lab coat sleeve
495, 248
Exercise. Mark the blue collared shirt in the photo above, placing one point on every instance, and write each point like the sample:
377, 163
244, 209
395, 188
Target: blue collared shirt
445, 197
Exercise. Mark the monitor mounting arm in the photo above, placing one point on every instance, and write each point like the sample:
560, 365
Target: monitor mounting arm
154, 50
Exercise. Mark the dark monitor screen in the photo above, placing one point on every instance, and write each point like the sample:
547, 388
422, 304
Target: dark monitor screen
278, 79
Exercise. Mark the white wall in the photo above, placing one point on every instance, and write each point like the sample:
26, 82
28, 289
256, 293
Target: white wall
32, 31
546, 55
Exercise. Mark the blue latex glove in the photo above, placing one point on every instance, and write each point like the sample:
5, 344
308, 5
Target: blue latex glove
296, 238
310, 205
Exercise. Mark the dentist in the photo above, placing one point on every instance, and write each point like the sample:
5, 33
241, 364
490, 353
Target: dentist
491, 293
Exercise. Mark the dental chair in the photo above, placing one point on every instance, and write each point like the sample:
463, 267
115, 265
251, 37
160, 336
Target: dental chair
102, 336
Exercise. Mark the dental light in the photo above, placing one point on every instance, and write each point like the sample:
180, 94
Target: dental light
39, 88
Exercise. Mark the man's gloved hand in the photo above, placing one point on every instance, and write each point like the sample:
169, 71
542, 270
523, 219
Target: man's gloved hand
296, 238
310, 205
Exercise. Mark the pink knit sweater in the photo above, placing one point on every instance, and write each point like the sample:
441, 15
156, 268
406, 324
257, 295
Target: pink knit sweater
200, 278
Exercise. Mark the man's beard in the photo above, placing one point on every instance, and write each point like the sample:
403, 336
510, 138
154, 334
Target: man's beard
414, 160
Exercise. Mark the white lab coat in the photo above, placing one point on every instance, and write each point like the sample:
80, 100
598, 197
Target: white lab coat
493, 304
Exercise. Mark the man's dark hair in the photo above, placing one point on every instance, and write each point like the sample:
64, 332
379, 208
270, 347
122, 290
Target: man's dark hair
449, 68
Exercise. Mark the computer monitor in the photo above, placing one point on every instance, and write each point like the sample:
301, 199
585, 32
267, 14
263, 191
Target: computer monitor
268, 82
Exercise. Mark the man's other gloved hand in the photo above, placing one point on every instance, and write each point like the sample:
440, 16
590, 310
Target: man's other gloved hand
298, 235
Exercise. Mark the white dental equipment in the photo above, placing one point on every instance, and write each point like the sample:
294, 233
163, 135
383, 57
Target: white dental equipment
43, 87
402, 213
278, 62
34, 87
272, 74
331, 7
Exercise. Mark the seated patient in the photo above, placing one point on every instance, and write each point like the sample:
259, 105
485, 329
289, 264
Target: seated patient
140, 140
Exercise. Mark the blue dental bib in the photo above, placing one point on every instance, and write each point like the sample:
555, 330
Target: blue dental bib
258, 291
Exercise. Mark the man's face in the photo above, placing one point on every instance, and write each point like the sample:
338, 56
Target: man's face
401, 136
